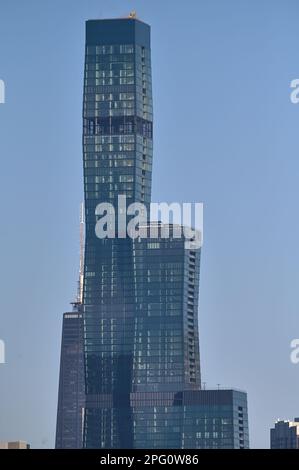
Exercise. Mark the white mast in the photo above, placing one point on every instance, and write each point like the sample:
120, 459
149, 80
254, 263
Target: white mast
81, 266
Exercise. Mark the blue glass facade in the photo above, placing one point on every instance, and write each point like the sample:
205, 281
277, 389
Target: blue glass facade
140, 297
118, 114
117, 149
166, 346
203, 419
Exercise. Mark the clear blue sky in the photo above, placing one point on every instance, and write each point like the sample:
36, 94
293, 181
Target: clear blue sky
226, 134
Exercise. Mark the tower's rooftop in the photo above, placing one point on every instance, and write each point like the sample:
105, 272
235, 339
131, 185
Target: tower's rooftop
128, 30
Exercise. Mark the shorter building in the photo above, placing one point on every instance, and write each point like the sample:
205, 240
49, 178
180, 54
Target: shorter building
201, 419
14, 445
285, 435
71, 396
215, 419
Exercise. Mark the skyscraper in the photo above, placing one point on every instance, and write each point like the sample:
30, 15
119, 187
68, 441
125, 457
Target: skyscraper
71, 393
117, 151
69, 427
140, 296
285, 435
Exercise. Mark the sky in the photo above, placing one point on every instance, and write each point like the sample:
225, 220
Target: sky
225, 134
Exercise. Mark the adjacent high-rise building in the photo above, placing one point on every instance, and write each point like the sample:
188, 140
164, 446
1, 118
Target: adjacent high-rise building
71, 395
202, 419
140, 295
285, 435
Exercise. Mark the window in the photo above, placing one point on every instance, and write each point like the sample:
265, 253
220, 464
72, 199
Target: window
153, 246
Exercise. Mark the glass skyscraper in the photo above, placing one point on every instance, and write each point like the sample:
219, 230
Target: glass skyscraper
117, 149
140, 296
71, 395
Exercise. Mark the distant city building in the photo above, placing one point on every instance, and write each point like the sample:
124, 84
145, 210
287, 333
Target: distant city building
71, 383
14, 445
285, 435
71, 394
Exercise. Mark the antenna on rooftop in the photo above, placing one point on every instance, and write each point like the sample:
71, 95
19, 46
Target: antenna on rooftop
81, 266
79, 298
